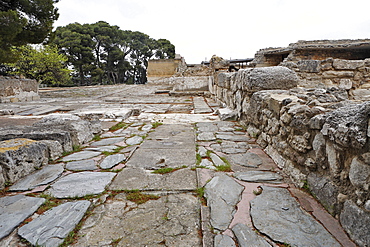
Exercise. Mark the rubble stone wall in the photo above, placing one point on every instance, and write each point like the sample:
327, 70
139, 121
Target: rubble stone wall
13, 89
317, 136
351, 75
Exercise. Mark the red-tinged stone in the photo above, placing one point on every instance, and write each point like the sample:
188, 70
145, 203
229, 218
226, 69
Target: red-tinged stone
328, 221
267, 162
119, 166
204, 175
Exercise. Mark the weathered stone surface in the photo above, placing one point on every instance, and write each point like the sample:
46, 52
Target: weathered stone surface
311, 66
207, 164
216, 160
20, 157
258, 176
14, 210
202, 151
324, 190
266, 78
54, 147
206, 136
137, 178
172, 219
247, 237
279, 216
234, 138
347, 125
42, 177
206, 127
134, 140
81, 165
83, 155
224, 241
81, 130
81, 184
102, 148
247, 159
347, 64
108, 141
112, 160
356, 222
226, 114
50, 228
222, 194
38, 133
359, 174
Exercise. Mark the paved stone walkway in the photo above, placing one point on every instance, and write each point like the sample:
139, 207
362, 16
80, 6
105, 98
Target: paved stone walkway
175, 175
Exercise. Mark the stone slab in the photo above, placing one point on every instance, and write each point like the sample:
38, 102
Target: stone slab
277, 214
81, 184
140, 179
50, 228
83, 155
258, 176
206, 136
14, 210
108, 141
81, 165
222, 194
224, 241
159, 158
247, 159
172, 219
112, 160
41, 177
102, 148
232, 137
247, 237
216, 160
134, 140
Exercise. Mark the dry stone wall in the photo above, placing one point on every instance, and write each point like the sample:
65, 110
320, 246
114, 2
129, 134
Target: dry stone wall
316, 135
351, 75
14, 89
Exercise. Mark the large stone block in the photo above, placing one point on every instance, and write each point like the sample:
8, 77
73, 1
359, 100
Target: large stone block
267, 78
348, 125
20, 157
356, 222
347, 64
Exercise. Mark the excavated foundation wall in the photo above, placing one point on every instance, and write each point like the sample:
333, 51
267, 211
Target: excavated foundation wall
14, 89
317, 136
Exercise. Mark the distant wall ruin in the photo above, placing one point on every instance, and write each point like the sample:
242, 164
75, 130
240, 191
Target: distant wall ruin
13, 89
164, 67
325, 63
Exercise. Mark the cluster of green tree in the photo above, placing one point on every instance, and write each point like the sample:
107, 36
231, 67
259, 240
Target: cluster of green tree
75, 54
24, 22
105, 54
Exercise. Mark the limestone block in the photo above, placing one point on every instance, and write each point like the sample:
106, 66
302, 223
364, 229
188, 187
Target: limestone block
348, 125
54, 147
311, 66
324, 190
299, 143
337, 74
345, 84
81, 130
360, 94
266, 78
348, 64
317, 122
333, 158
20, 157
356, 222
359, 174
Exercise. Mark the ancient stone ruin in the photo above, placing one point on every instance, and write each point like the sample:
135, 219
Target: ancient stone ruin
15, 89
299, 124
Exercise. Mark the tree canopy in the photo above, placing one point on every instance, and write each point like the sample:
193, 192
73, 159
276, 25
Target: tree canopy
24, 22
106, 54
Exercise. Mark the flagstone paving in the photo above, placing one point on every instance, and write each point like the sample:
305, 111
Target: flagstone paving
164, 179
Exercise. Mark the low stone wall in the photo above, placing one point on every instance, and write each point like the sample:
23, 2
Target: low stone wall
351, 75
317, 136
13, 89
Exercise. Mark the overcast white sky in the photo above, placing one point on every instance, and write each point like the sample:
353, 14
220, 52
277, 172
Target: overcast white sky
228, 28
